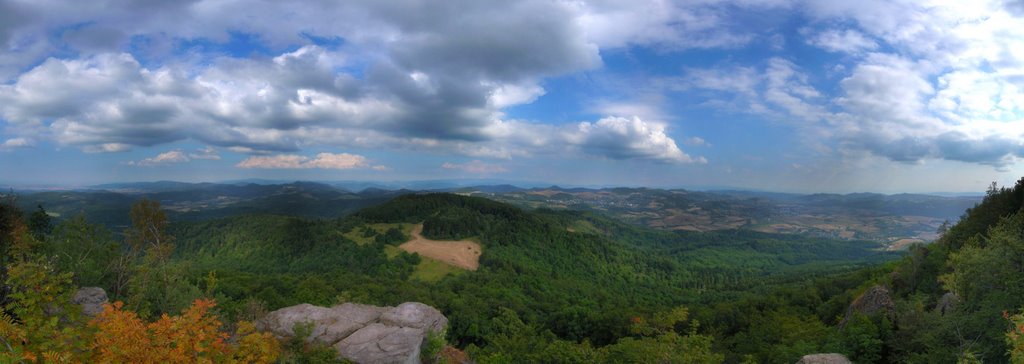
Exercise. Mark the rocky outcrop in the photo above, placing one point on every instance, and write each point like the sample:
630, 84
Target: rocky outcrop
876, 299
824, 359
91, 299
947, 303
873, 300
362, 333
378, 343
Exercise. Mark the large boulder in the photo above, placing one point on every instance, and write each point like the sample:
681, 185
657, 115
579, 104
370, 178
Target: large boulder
91, 299
824, 359
329, 325
378, 343
362, 333
876, 299
415, 314
947, 303
873, 300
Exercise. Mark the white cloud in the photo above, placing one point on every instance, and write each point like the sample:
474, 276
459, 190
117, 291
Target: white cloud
789, 88
207, 153
177, 156
628, 138
781, 90
169, 157
103, 103
846, 40
667, 24
107, 148
435, 81
504, 96
321, 161
937, 78
475, 167
15, 143
738, 80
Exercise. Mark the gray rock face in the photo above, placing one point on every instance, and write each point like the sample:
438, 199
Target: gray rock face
91, 299
947, 303
875, 299
362, 333
824, 359
330, 325
378, 343
415, 314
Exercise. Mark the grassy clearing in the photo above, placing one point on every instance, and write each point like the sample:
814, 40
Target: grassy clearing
429, 270
391, 251
462, 253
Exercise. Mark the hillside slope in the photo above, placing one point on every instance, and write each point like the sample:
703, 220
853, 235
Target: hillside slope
577, 285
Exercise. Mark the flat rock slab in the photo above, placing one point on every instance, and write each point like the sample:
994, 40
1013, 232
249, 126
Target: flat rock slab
831, 358
362, 333
378, 343
330, 325
416, 315
91, 299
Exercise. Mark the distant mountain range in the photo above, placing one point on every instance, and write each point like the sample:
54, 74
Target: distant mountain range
898, 219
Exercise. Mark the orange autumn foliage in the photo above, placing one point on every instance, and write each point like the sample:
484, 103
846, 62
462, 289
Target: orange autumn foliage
193, 337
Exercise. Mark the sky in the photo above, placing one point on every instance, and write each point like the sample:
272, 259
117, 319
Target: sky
778, 95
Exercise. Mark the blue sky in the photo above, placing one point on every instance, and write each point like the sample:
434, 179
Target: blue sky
782, 95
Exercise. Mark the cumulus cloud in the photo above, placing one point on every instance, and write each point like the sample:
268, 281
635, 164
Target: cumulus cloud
922, 79
15, 143
409, 73
170, 157
103, 103
926, 81
475, 167
321, 161
177, 156
628, 138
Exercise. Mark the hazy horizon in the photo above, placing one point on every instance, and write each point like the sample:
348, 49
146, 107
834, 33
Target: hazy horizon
455, 183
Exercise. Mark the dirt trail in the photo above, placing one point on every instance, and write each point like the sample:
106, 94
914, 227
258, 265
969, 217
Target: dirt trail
463, 253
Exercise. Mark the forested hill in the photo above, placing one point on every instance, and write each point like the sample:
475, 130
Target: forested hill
572, 286
575, 281
898, 220
952, 297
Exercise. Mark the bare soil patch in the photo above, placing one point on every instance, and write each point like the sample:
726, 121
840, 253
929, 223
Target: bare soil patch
463, 253
902, 244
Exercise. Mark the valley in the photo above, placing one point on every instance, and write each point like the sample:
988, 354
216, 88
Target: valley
611, 275
895, 220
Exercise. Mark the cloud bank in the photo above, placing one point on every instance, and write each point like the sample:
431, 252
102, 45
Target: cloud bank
406, 75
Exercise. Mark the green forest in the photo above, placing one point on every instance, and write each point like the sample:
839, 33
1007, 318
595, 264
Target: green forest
554, 286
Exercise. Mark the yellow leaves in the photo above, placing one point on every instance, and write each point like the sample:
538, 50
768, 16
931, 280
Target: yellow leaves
121, 336
192, 337
255, 347
40, 298
1015, 337
56, 357
9, 330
